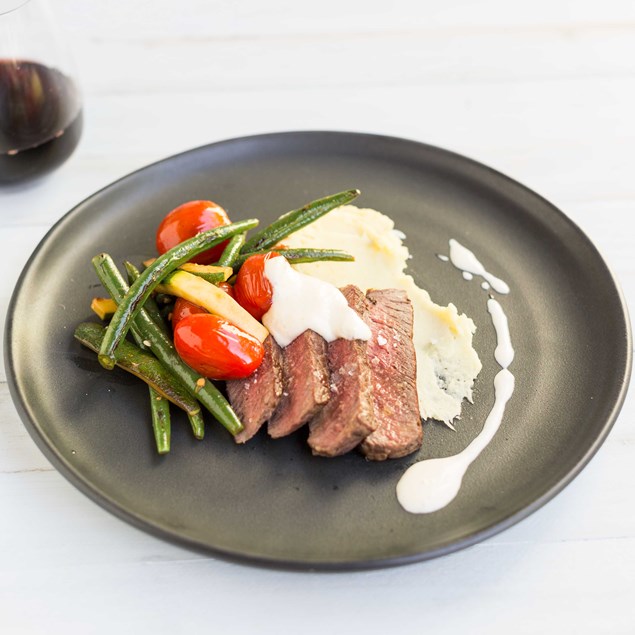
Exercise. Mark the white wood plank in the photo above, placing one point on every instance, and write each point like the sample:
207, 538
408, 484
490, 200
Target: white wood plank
342, 63
122, 20
585, 587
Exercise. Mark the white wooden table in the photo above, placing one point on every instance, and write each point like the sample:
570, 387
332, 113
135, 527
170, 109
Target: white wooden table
543, 91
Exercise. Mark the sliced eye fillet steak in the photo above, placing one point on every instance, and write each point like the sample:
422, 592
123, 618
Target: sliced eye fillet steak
393, 368
348, 417
306, 381
352, 392
256, 397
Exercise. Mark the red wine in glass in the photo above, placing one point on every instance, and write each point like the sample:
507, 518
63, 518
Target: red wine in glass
40, 119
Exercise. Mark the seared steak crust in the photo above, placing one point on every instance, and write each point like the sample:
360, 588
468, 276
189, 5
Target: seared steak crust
306, 383
255, 398
393, 368
348, 417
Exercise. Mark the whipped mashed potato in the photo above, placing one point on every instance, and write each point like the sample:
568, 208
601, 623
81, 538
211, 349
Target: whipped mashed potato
447, 364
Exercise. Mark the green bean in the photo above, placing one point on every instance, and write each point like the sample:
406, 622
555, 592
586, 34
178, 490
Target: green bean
141, 289
150, 304
159, 407
162, 347
232, 250
141, 364
161, 424
297, 219
197, 423
299, 256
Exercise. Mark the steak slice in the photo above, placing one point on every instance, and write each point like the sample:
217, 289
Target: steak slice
348, 416
306, 384
255, 398
393, 368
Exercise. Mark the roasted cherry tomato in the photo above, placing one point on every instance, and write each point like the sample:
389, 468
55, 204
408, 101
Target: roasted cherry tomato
227, 288
216, 348
184, 308
188, 220
252, 290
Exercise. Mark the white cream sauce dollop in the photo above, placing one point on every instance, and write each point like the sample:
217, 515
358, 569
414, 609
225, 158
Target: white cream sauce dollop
302, 302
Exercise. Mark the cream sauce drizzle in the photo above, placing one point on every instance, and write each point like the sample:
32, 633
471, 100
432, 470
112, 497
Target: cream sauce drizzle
430, 485
504, 353
462, 258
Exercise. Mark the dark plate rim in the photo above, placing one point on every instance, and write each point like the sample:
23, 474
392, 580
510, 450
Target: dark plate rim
79, 480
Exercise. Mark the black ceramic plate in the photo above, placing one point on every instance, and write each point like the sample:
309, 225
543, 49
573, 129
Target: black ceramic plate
271, 502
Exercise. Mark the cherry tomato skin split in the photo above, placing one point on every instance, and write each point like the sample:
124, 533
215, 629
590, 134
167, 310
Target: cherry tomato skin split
184, 308
252, 290
216, 348
188, 220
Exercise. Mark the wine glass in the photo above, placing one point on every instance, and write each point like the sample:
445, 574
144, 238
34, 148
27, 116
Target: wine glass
40, 103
